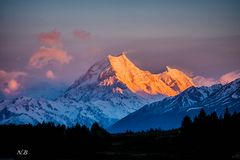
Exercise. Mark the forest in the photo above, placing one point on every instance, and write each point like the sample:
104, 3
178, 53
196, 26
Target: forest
204, 137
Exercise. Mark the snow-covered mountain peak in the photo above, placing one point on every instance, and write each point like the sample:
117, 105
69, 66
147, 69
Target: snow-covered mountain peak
167, 83
137, 80
176, 79
121, 63
119, 69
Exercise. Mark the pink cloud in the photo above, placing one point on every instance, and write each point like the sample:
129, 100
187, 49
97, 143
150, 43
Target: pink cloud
50, 74
46, 55
12, 86
50, 38
229, 77
82, 35
10, 81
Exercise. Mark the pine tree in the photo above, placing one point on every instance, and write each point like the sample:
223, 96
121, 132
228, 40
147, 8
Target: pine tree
227, 115
187, 122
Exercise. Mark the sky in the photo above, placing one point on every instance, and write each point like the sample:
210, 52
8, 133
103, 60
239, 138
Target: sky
58, 40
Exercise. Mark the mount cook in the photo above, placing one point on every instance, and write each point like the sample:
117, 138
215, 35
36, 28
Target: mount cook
110, 90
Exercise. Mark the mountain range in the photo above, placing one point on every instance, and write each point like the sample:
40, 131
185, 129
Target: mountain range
112, 89
169, 112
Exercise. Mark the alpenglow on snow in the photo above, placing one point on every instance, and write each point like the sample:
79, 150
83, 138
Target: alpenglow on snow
109, 90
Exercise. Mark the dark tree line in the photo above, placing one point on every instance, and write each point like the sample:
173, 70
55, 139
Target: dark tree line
204, 137
47, 140
212, 135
